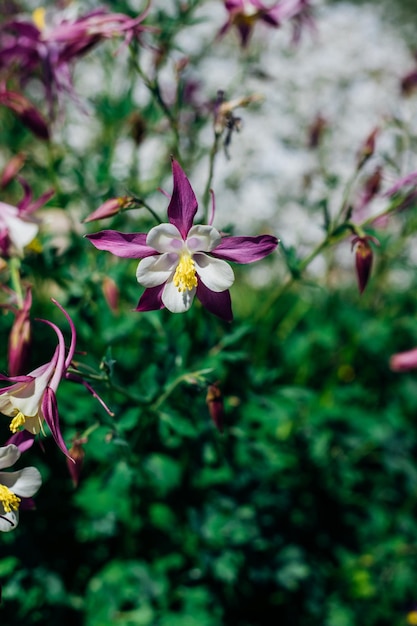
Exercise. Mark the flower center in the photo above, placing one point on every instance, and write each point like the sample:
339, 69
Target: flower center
38, 17
185, 278
8, 499
18, 421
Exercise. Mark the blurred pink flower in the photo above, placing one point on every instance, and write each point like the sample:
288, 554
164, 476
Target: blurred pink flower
363, 258
404, 361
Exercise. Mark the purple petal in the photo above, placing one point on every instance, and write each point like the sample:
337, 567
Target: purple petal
151, 299
15, 379
183, 205
51, 416
218, 303
245, 249
126, 245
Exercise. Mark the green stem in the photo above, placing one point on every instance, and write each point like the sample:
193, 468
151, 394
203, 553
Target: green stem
14, 266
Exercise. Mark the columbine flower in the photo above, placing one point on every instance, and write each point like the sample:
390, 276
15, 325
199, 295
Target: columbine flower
49, 49
31, 399
14, 486
243, 14
180, 261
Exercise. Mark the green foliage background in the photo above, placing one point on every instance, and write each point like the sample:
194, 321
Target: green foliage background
302, 513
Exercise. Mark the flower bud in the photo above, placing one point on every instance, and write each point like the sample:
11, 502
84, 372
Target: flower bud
12, 168
111, 293
109, 208
367, 149
20, 339
363, 259
26, 111
215, 406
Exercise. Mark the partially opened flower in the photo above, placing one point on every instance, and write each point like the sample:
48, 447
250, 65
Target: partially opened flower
30, 400
181, 260
14, 487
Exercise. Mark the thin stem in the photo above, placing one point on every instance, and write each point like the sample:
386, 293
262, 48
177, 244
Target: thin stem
206, 195
14, 266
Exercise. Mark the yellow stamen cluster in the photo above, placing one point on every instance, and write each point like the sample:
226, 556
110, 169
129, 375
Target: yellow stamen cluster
38, 17
8, 499
185, 277
18, 421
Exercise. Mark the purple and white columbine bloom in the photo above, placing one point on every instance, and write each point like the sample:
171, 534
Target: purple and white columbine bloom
31, 399
181, 260
14, 486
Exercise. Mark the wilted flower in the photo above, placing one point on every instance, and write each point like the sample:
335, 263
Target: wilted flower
75, 459
14, 486
368, 192
363, 258
48, 49
224, 117
180, 260
31, 399
20, 337
405, 189
214, 400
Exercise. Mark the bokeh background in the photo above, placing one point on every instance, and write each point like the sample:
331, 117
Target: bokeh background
303, 512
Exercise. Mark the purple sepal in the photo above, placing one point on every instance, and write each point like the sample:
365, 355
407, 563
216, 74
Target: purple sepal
183, 205
126, 245
245, 249
151, 299
22, 440
50, 414
218, 303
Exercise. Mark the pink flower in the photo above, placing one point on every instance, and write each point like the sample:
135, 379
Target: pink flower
20, 337
404, 361
31, 399
181, 260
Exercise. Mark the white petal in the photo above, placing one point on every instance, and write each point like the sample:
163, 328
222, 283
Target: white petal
8, 455
11, 521
216, 274
165, 238
203, 238
21, 232
24, 483
155, 270
176, 301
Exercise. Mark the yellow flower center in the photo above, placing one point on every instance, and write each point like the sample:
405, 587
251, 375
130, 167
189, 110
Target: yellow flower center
185, 278
412, 618
18, 421
8, 499
38, 17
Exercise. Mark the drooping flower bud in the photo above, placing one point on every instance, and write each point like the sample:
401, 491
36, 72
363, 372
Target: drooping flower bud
363, 259
26, 111
20, 338
111, 293
109, 208
367, 149
214, 400
12, 168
